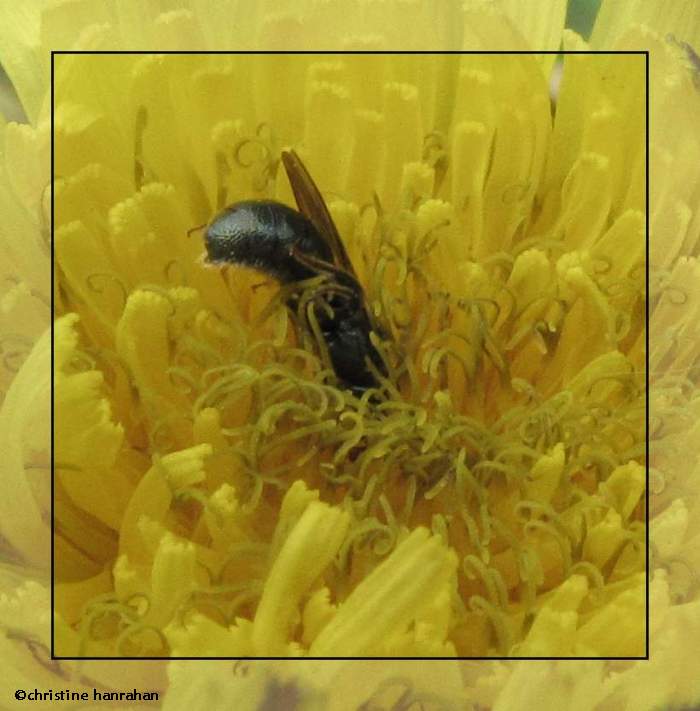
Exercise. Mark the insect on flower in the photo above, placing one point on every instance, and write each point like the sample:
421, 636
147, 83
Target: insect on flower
293, 247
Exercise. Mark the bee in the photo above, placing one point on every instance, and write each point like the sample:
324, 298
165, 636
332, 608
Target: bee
292, 246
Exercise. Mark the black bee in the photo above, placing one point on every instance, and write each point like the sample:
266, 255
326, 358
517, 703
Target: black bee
294, 246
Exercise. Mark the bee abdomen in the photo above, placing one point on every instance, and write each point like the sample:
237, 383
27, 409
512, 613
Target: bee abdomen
261, 235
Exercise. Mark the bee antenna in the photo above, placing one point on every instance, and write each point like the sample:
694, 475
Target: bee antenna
194, 229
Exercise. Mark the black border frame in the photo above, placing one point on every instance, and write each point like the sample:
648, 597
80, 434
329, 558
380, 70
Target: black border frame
645, 54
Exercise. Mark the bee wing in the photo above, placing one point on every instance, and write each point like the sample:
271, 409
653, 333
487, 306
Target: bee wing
311, 205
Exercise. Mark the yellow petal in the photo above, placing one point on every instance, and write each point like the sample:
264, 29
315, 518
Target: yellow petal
21, 57
625, 487
545, 475
201, 637
618, 628
172, 579
682, 20
23, 428
308, 550
389, 598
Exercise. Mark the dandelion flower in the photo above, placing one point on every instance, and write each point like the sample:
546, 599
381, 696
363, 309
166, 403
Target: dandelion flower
212, 456
673, 474
218, 491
